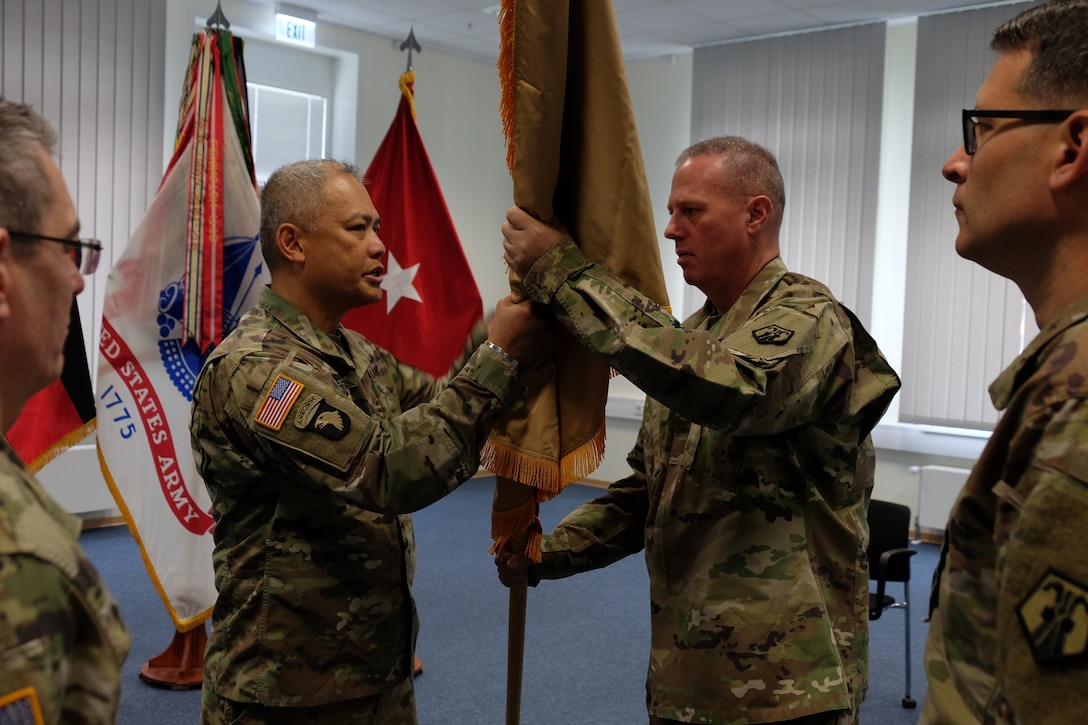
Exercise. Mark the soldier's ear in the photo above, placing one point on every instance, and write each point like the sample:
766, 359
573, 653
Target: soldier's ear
1072, 166
289, 242
759, 212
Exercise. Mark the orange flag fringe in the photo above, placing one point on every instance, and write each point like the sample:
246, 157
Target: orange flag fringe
574, 156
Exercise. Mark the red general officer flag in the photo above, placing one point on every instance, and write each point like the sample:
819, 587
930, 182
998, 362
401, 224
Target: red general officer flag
431, 301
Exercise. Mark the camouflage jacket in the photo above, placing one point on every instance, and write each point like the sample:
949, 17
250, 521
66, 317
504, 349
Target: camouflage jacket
750, 480
1008, 638
62, 641
312, 456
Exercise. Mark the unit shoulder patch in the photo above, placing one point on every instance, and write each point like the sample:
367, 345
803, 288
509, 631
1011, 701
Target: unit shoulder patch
1054, 617
318, 416
21, 708
772, 335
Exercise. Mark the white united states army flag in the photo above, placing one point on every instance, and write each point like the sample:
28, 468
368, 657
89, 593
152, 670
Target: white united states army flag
148, 363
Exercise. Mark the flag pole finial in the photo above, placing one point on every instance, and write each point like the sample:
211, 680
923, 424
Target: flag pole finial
411, 44
218, 19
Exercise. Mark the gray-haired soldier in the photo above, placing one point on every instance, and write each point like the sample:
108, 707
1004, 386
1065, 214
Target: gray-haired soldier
62, 641
1008, 638
753, 467
314, 443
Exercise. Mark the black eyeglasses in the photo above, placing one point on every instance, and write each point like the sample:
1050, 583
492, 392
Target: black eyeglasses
84, 253
971, 116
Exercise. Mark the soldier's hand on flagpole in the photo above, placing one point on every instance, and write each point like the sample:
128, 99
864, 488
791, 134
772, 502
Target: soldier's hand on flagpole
526, 239
522, 330
513, 568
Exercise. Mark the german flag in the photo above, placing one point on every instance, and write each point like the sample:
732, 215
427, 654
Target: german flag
61, 414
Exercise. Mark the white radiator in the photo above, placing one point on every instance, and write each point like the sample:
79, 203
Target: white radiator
938, 488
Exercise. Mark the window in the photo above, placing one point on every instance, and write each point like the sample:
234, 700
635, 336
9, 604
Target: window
287, 126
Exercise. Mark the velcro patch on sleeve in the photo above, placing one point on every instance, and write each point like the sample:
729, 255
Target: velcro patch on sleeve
317, 415
772, 335
21, 708
277, 402
1054, 617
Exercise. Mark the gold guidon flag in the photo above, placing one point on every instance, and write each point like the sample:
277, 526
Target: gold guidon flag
574, 155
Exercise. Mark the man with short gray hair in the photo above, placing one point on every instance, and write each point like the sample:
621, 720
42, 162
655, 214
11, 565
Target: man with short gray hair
753, 468
62, 641
315, 444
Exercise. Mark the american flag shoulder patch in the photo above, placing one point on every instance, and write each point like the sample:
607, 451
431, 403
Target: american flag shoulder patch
20, 708
277, 402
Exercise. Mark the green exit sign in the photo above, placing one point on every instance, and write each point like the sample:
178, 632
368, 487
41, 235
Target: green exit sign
297, 31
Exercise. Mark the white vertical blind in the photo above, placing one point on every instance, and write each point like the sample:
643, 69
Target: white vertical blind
287, 126
814, 100
962, 324
94, 68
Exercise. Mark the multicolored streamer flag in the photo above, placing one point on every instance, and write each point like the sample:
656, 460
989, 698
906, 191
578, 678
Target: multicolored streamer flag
62, 414
575, 159
431, 301
190, 270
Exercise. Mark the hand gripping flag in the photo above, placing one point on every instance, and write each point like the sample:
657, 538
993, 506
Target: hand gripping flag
190, 270
431, 299
574, 155
61, 414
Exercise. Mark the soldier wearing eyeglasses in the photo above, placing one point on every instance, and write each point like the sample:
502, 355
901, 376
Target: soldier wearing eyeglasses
1008, 639
62, 641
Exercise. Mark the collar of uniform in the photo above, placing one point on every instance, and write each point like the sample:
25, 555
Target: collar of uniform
1009, 381
750, 299
298, 323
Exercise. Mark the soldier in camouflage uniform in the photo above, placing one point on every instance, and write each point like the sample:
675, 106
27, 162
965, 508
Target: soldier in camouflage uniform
62, 641
1008, 638
315, 444
753, 467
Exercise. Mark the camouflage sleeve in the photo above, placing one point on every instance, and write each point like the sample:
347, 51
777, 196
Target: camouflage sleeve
385, 462
475, 338
599, 532
416, 386
1042, 608
741, 384
51, 647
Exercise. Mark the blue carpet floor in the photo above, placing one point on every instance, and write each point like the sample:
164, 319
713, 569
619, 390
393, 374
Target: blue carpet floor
586, 640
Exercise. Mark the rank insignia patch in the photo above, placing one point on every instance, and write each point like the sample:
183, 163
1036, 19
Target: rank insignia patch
277, 403
772, 335
1054, 617
318, 416
21, 708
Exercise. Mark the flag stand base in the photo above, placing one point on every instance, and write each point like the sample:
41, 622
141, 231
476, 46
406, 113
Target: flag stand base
181, 665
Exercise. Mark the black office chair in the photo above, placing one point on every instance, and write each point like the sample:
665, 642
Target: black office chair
889, 561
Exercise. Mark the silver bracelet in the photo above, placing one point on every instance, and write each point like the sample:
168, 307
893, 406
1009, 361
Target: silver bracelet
502, 353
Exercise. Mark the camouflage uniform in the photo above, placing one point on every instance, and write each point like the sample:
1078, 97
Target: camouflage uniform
1008, 638
313, 552
750, 481
62, 641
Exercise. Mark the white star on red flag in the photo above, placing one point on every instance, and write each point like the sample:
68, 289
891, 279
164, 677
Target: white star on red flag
399, 283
